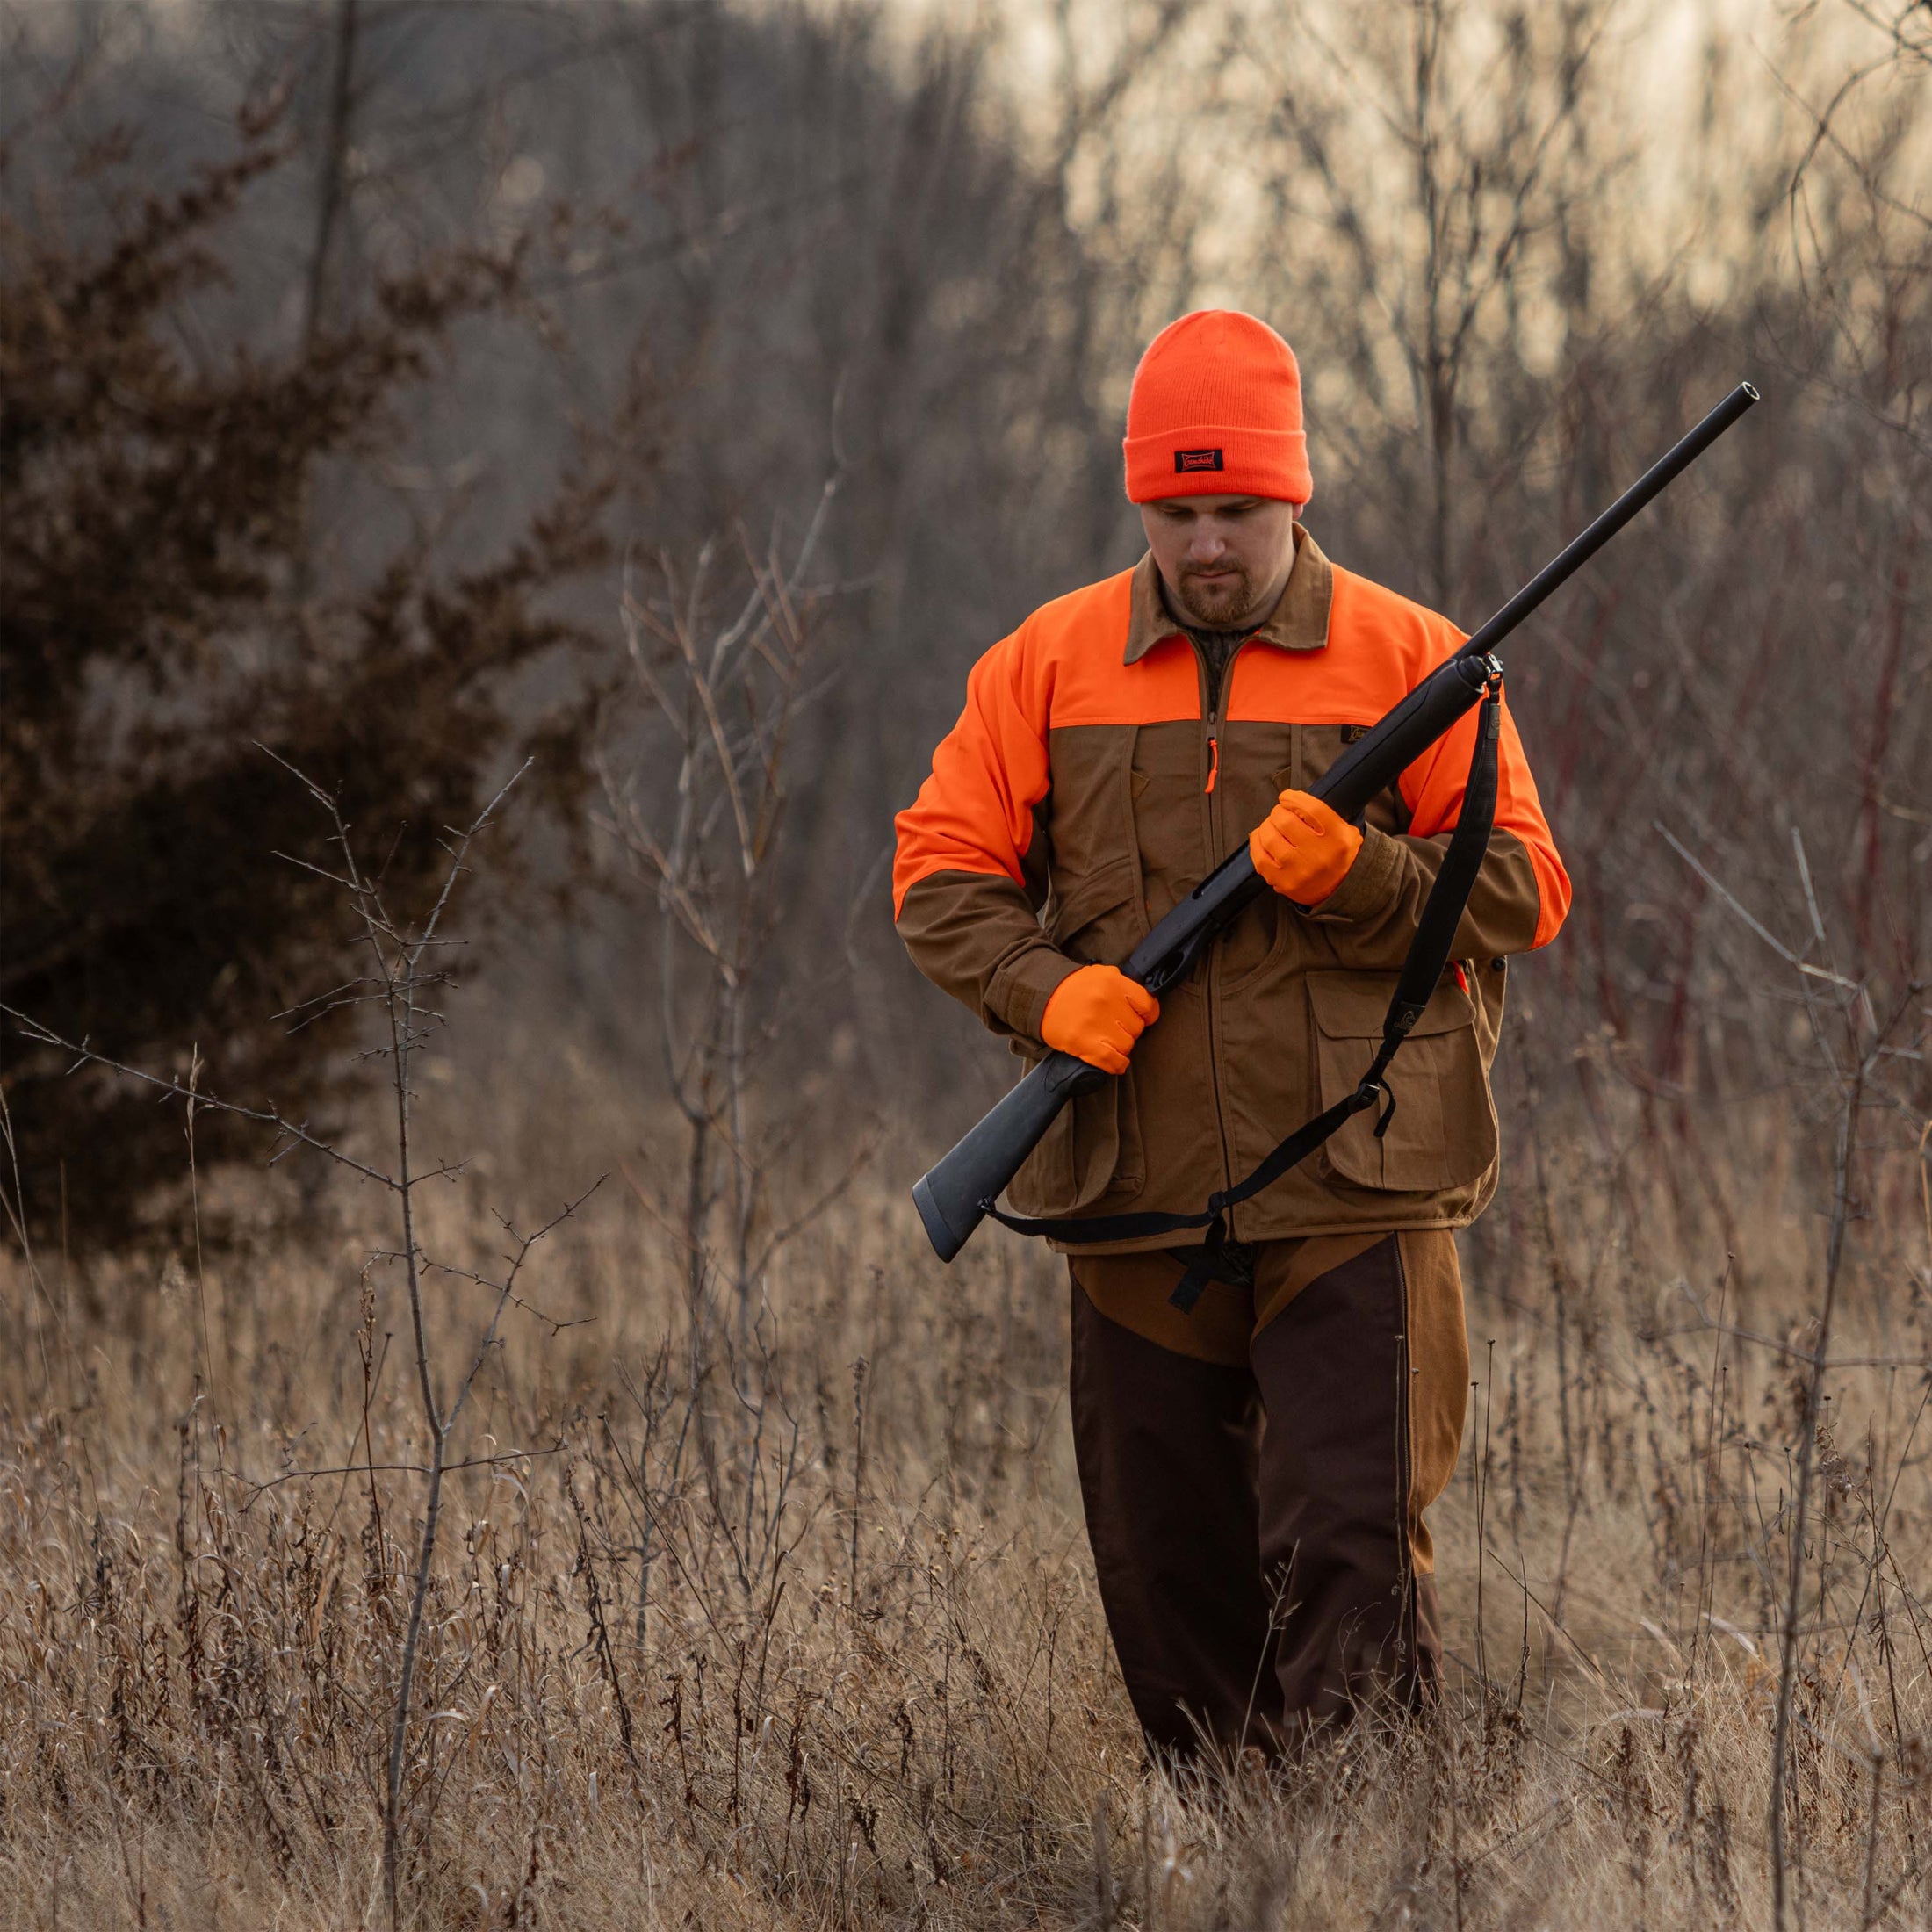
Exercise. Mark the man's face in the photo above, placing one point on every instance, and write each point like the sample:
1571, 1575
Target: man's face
1224, 559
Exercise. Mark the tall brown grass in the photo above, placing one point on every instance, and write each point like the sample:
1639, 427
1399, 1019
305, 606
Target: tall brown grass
816, 1643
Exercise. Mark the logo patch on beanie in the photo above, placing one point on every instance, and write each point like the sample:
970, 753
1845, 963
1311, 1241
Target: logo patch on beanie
1186, 460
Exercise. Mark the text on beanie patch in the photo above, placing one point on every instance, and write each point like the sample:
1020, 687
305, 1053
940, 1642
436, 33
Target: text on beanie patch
1186, 460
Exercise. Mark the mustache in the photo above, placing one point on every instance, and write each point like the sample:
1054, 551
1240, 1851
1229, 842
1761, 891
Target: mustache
1235, 587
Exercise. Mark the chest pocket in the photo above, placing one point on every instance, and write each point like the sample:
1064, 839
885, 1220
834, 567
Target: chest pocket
1094, 913
1096, 919
1318, 747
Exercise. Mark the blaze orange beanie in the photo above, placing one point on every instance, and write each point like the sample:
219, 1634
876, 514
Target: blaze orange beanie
1216, 410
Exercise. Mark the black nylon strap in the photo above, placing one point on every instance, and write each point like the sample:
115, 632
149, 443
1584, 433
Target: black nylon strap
1297, 1148
1214, 1259
1430, 951
1423, 968
1434, 943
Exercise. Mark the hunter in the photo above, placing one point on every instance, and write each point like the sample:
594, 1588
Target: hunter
1256, 1471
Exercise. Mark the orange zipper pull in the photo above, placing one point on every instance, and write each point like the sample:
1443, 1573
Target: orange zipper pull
1214, 767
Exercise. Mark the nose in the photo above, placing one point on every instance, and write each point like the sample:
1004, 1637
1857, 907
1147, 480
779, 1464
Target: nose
1207, 545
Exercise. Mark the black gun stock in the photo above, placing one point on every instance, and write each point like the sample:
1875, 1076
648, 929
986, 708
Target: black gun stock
953, 1195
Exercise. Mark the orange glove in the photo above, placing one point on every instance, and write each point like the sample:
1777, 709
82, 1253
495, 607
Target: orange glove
1303, 849
1097, 1014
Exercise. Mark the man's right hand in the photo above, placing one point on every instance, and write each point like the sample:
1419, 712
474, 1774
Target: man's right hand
1097, 1014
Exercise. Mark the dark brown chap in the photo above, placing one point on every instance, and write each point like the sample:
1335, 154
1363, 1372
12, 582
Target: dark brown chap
1254, 1526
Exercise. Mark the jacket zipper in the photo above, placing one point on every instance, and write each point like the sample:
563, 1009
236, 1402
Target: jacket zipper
1215, 699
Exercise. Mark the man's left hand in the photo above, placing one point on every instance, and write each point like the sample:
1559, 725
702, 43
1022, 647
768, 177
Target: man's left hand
1303, 849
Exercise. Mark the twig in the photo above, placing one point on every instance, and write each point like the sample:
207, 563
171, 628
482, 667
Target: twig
286, 1129
398, 1468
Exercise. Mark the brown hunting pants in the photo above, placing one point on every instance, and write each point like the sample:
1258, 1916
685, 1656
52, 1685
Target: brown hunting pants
1255, 1475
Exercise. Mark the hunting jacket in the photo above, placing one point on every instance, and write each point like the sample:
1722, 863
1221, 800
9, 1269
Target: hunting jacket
1095, 779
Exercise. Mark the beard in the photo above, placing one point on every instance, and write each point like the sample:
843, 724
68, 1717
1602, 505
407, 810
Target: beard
1215, 606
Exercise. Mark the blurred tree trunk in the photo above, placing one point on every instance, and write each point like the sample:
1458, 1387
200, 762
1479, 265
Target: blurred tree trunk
331, 182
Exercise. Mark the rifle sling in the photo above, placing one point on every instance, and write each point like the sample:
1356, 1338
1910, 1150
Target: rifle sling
1423, 968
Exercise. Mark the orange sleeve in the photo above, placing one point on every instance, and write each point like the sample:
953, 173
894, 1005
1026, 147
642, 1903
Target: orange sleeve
974, 813
1432, 789
966, 877
1522, 893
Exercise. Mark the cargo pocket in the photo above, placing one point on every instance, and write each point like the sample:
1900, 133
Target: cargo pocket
1094, 1146
1443, 1132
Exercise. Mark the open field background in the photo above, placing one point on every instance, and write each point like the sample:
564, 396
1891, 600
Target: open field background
658, 407
821, 1647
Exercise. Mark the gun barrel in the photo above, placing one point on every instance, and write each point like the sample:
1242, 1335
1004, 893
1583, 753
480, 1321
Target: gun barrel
1578, 551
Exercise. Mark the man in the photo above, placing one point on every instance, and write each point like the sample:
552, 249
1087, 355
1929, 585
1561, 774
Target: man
1255, 1472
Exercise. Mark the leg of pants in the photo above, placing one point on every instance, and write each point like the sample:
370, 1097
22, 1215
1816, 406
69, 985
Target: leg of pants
1351, 1455
1210, 1529
1166, 1447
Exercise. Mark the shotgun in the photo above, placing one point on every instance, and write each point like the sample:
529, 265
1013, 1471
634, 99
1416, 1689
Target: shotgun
953, 1197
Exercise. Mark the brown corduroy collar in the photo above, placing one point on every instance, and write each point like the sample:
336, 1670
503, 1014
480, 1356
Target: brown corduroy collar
1298, 621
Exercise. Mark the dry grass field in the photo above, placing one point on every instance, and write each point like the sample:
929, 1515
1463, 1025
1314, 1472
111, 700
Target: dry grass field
817, 1644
